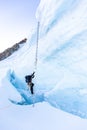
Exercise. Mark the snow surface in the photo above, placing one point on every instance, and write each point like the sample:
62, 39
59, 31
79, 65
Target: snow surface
60, 99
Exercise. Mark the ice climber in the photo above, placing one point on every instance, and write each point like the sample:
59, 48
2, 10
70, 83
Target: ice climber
28, 79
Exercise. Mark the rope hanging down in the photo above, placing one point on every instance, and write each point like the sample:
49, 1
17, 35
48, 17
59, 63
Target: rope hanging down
37, 40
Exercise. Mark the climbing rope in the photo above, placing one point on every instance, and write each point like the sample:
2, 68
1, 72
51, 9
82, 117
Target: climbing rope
5, 107
37, 40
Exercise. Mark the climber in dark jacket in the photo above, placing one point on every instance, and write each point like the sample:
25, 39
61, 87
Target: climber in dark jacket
28, 79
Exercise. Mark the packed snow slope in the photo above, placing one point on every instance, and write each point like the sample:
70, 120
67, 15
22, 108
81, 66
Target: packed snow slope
61, 74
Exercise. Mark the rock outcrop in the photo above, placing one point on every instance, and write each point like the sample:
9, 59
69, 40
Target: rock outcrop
11, 50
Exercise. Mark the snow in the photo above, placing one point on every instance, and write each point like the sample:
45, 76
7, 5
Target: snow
60, 99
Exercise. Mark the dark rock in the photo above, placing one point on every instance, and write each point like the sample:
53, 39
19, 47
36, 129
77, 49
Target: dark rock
11, 50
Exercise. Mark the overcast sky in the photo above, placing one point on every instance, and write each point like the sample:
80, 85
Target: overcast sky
17, 17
